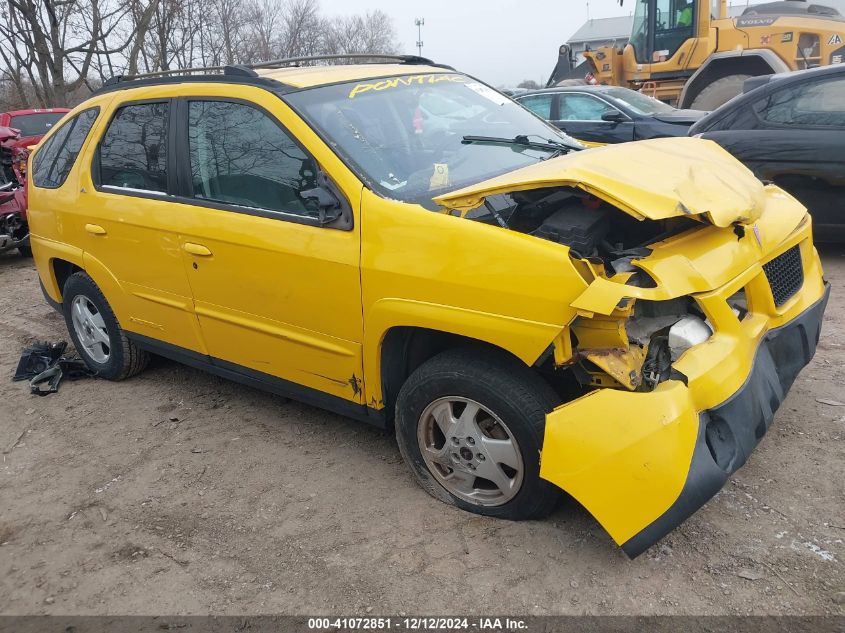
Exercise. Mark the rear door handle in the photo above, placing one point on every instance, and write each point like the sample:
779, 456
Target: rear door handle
95, 229
196, 249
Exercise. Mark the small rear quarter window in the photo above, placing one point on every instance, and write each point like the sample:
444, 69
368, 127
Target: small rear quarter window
54, 160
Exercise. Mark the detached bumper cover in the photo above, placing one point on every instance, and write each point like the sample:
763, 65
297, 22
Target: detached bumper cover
643, 462
728, 433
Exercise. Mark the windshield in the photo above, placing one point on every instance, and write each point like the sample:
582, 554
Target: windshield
404, 136
637, 101
35, 124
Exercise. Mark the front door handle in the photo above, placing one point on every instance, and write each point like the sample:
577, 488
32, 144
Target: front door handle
196, 249
95, 229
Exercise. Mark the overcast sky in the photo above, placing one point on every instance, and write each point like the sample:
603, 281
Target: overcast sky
499, 41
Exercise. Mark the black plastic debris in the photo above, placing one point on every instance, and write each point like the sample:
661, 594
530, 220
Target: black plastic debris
45, 366
37, 358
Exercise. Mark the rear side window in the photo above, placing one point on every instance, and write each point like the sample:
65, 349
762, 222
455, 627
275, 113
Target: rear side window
54, 160
819, 104
133, 152
541, 105
240, 156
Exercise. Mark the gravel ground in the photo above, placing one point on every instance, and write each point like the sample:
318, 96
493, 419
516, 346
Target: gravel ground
177, 492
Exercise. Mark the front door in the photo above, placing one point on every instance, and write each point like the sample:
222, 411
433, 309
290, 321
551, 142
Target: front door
580, 115
276, 292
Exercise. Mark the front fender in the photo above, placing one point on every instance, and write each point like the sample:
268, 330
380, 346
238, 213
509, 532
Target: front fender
526, 340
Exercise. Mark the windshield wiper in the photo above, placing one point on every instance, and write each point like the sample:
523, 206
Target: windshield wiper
521, 139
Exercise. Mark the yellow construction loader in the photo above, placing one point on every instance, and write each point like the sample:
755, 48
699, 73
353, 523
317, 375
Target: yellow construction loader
690, 53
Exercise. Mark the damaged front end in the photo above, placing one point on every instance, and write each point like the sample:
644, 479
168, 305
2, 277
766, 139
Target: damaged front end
14, 231
704, 300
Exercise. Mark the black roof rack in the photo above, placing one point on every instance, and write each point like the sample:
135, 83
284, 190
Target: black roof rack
245, 71
361, 57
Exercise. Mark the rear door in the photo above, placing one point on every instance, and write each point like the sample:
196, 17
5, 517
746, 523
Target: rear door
277, 293
124, 221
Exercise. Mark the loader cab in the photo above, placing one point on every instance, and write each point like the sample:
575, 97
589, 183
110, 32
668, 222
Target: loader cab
661, 27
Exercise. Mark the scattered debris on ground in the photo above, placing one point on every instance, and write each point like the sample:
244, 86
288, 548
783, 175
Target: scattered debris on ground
45, 366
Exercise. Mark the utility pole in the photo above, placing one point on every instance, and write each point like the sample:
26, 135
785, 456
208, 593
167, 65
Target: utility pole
419, 23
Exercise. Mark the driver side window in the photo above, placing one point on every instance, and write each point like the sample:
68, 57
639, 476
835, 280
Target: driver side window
580, 107
133, 152
240, 156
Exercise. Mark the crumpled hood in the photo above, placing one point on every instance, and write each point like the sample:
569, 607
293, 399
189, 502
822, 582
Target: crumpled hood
657, 179
8, 134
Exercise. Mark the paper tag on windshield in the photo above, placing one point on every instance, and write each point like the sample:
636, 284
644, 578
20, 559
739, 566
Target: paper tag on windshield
440, 177
488, 93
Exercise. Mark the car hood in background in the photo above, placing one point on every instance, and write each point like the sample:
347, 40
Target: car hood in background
681, 117
656, 179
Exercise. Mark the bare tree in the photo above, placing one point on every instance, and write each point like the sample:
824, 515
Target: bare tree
372, 32
143, 19
264, 42
50, 50
302, 29
51, 37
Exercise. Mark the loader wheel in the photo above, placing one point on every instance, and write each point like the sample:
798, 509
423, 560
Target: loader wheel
96, 334
719, 92
470, 425
564, 83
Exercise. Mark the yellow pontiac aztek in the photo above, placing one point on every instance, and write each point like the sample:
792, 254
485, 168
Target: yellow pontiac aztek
402, 244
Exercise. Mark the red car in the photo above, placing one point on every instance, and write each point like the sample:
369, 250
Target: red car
32, 124
19, 130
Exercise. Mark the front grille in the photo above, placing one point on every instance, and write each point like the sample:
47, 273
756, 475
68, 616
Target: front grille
785, 275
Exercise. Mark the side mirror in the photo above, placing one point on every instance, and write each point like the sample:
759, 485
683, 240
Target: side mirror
328, 203
613, 116
324, 202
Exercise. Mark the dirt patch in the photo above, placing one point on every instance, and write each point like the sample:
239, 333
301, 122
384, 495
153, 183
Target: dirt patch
130, 553
196, 495
7, 532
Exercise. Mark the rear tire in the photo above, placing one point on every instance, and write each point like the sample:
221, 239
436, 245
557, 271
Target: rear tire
95, 332
489, 464
25, 250
719, 92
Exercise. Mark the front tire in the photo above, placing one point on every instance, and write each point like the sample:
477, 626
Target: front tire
470, 425
95, 332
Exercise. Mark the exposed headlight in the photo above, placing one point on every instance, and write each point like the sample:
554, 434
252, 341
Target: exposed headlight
686, 333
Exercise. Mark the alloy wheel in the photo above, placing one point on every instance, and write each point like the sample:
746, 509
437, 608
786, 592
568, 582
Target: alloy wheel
90, 329
470, 451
